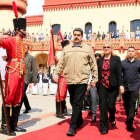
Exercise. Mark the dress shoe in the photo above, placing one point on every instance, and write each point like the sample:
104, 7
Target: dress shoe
104, 132
3, 130
59, 116
26, 110
18, 129
113, 124
93, 119
89, 113
126, 122
66, 113
71, 132
130, 128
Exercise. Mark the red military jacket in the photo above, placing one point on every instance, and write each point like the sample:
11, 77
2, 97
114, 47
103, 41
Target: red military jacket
15, 53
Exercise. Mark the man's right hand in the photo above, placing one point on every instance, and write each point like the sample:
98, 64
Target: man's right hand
4, 58
55, 79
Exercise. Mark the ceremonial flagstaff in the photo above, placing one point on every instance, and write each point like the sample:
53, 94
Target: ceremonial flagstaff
51, 56
51, 61
4, 107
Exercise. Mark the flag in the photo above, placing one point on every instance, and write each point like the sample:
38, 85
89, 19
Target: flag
51, 56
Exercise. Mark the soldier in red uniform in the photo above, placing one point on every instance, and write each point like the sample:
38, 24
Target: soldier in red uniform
14, 78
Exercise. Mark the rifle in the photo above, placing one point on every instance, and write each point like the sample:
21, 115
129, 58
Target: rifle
4, 107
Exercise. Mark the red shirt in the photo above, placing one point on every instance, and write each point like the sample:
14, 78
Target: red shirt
105, 73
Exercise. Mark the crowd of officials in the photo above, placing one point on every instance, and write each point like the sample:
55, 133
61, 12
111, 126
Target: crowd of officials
86, 35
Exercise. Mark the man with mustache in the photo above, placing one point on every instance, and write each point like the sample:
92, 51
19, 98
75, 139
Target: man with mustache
14, 78
77, 60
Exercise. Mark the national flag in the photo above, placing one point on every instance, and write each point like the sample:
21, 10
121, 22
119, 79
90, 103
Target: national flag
51, 56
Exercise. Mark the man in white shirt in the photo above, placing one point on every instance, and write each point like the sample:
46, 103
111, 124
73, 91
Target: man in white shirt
137, 33
39, 77
3, 57
3, 63
84, 36
37, 37
52, 85
127, 35
89, 35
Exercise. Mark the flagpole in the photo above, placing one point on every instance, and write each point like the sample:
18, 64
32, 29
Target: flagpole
52, 39
4, 107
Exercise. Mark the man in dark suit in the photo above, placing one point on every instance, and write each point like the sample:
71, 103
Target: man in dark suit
30, 77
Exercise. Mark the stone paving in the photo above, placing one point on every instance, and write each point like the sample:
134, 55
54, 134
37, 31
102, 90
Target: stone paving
41, 115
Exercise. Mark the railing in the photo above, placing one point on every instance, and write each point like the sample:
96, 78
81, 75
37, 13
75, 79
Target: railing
121, 44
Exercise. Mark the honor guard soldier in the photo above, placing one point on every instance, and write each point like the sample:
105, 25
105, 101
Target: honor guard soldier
14, 78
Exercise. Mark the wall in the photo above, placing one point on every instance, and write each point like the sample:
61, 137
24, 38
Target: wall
6, 19
34, 29
70, 19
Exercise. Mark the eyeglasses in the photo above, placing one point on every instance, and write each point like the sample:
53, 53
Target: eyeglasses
106, 47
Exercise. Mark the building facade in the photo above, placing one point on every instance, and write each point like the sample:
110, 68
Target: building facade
90, 15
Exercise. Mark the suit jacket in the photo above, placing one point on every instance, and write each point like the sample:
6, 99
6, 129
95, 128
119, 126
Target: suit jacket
30, 69
115, 78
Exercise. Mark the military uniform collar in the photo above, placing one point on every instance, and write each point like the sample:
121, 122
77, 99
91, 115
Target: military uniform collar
19, 37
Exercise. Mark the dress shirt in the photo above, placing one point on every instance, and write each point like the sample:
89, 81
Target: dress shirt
131, 71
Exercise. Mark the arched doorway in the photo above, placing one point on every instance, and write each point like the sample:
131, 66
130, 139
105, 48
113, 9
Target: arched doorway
56, 28
88, 27
112, 26
41, 61
134, 24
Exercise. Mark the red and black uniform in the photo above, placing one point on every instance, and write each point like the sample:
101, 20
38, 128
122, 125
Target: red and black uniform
15, 69
14, 77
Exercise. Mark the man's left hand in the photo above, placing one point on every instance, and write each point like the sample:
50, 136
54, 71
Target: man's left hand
121, 88
34, 83
93, 85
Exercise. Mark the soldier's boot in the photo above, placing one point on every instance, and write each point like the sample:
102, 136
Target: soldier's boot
4, 126
58, 112
14, 120
64, 109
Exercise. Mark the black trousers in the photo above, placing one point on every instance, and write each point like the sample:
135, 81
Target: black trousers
24, 98
107, 102
129, 98
77, 93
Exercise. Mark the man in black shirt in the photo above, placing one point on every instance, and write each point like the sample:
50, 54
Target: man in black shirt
131, 71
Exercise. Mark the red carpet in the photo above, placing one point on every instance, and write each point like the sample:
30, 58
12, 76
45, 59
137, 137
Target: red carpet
88, 131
